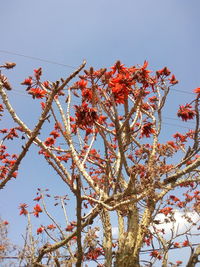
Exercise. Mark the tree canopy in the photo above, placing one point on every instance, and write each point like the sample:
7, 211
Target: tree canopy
100, 131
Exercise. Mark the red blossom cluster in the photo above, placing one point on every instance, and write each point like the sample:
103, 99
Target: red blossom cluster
163, 72
23, 209
34, 86
37, 210
37, 92
11, 133
147, 130
8, 162
85, 116
156, 254
71, 226
37, 198
174, 198
94, 253
50, 141
186, 112
148, 239
181, 138
197, 90
120, 87
1, 108
41, 229
51, 227
179, 245
166, 210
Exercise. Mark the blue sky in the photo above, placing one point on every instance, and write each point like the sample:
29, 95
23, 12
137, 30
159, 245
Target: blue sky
166, 33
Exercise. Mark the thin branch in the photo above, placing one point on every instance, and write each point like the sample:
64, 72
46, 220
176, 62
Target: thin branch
79, 226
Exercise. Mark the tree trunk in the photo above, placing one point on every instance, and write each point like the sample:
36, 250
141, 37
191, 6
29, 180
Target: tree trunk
132, 241
126, 260
194, 257
107, 241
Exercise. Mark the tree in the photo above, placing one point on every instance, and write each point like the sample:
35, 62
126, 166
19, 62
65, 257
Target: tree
112, 161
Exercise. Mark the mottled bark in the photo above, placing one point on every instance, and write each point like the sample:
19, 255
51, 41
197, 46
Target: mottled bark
129, 249
194, 257
107, 240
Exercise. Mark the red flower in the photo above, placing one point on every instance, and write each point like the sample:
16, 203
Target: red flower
147, 130
46, 84
13, 133
120, 87
118, 67
181, 204
181, 137
5, 222
58, 126
173, 80
186, 112
69, 228
27, 81
179, 263
43, 105
175, 199
156, 254
82, 84
185, 243
38, 73
177, 245
85, 116
37, 198
49, 141
37, 210
37, 92
166, 211
153, 99
51, 227
3, 131
87, 94
40, 230
165, 72
55, 134
93, 254
14, 174
23, 209
197, 90
120, 92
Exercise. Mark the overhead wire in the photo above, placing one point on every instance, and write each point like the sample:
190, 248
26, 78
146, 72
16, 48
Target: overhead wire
63, 65
37, 58
182, 91
73, 67
164, 117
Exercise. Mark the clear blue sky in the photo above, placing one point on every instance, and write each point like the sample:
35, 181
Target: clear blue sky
166, 33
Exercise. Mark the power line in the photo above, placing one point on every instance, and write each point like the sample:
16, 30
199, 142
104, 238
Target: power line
175, 119
18, 92
37, 58
65, 65
177, 125
181, 91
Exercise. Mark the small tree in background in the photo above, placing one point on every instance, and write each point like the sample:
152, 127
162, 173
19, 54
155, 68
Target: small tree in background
6, 247
104, 143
